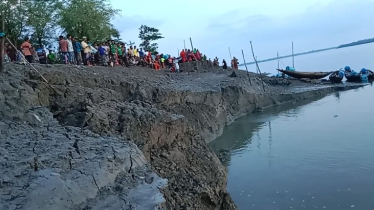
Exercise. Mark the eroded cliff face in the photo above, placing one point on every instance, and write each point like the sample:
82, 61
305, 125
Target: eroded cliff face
169, 117
159, 121
44, 165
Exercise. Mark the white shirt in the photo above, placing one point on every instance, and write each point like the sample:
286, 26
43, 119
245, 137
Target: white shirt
70, 46
106, 49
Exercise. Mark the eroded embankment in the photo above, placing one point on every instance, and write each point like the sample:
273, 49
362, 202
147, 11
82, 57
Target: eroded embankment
169, 117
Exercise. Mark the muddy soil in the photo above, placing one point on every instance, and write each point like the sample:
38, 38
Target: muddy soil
134, 129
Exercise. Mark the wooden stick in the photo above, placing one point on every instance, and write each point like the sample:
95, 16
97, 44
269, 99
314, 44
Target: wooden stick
23, 57
263, 86
230, 53
191, 44
246, 68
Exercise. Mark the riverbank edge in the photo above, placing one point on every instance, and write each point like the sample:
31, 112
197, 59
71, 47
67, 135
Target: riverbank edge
171, 126
281, 99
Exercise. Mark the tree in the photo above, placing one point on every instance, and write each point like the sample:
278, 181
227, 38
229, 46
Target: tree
90, 18
9, 10
148, 35
42, 19
15, 15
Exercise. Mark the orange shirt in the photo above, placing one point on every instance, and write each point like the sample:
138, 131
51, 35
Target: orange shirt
26, 48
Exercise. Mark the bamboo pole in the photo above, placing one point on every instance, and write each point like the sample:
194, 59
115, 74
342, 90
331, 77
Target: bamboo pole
230, 53
191, 44
278, 61
263, 86
184, 42
246, 68
293, 58
23, 57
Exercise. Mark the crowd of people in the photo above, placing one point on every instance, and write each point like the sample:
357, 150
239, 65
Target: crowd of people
74, 51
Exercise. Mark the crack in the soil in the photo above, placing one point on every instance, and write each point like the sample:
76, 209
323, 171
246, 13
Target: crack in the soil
96, 184
114, 153
131, 163
75, 145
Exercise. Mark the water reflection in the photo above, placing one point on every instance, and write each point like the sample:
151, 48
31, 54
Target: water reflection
337, 95
237, 137
270, 143
303, 157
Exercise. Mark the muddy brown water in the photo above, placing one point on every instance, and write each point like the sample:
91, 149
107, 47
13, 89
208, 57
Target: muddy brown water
315, 154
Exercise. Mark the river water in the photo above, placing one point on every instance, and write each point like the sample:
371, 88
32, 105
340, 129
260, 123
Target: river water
316, 154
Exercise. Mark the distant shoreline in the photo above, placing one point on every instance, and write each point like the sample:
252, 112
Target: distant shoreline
352, 44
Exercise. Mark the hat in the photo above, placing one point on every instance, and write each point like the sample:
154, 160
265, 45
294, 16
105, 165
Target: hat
84, 37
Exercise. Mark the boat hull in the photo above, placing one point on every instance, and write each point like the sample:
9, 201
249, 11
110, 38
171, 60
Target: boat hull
305, 75
334, 77
358, 78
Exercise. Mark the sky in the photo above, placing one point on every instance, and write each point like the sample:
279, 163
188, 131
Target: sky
271, 25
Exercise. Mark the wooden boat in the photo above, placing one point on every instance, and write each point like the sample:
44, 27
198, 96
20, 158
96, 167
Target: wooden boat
335, 78
358, 77
308, 75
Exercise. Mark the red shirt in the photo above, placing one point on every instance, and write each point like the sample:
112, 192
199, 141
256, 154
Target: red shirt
63, 45
26, 48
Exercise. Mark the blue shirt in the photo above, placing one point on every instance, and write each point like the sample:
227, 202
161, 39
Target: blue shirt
141, 54
78, 46
101, 50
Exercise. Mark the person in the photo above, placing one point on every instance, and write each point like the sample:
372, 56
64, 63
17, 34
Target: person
224, 64
234, 63
107, 52
120, 54
162, 59
141, 53
42, 55
125, 62
63, 46
198, 55
12, 53
216, 62
102, 53
78, 51
170, 62
156, 65
87, 51
183, 56
26, 50
130, 52
51, 57
35, 56
70, 49
176, 65
136, 53
112, 52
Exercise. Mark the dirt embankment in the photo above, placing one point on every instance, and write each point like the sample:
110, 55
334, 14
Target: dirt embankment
169, 117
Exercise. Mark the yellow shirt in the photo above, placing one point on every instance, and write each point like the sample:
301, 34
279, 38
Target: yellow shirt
136, 53
85, 47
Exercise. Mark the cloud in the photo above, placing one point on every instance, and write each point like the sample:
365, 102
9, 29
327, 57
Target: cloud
319, 26
129, 26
